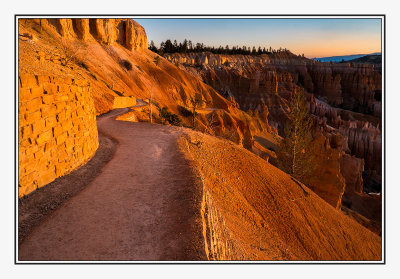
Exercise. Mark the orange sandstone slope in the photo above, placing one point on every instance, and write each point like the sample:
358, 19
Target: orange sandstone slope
112, 55
253, 211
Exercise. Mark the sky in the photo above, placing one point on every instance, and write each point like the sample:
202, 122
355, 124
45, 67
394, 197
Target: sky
311, 37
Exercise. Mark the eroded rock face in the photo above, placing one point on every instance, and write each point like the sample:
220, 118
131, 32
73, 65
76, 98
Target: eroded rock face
327, 180
82, 28
362, 136
66, 29
366, 142
135, 36
356, 87
352, 169
107, 31
345, 100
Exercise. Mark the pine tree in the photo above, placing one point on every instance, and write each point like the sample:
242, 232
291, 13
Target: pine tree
185, 46
153, 47
295, 156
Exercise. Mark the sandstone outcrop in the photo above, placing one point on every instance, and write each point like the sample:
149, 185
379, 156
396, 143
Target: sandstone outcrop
135, 35
107, 31
82, 29
352, 169
65, 27
327, 179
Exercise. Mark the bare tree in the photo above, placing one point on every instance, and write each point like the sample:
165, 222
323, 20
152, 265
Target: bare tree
213, 122
196, 102
68, 53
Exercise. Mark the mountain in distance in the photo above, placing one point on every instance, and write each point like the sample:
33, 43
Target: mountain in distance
375, 59
343, 57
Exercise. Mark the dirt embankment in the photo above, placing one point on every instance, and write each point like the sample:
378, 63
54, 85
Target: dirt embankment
253, 211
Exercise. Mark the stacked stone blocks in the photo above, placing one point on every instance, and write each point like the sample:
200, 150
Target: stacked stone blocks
57, 129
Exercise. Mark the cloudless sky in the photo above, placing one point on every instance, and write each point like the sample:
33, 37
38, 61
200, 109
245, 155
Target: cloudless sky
313, 37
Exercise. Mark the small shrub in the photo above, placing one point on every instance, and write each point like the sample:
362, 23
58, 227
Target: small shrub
126, 64
184, 111
157, 60
169, 117
83, 65
68, 53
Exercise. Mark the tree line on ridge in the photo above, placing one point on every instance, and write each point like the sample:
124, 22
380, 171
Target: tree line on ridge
187, 46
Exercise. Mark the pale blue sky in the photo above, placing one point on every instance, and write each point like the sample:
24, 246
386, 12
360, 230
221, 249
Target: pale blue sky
313, 37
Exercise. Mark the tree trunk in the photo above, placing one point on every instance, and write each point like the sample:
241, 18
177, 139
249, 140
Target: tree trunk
194, 118
294, 151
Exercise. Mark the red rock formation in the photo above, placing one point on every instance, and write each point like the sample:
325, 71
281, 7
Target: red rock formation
107, 31
269, 80
357, 87
326, 83
81, 28
327, 180
135, 36
363, 136
351, 169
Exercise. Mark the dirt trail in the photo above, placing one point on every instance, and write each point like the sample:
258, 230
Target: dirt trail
144, 204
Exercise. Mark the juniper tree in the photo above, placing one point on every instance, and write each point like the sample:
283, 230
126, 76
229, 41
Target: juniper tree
295, 156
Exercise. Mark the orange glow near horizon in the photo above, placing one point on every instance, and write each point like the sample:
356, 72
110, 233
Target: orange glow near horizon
337, 46
319, 37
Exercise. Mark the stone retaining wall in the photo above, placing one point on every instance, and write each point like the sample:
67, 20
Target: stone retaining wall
124, 102
57, 129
